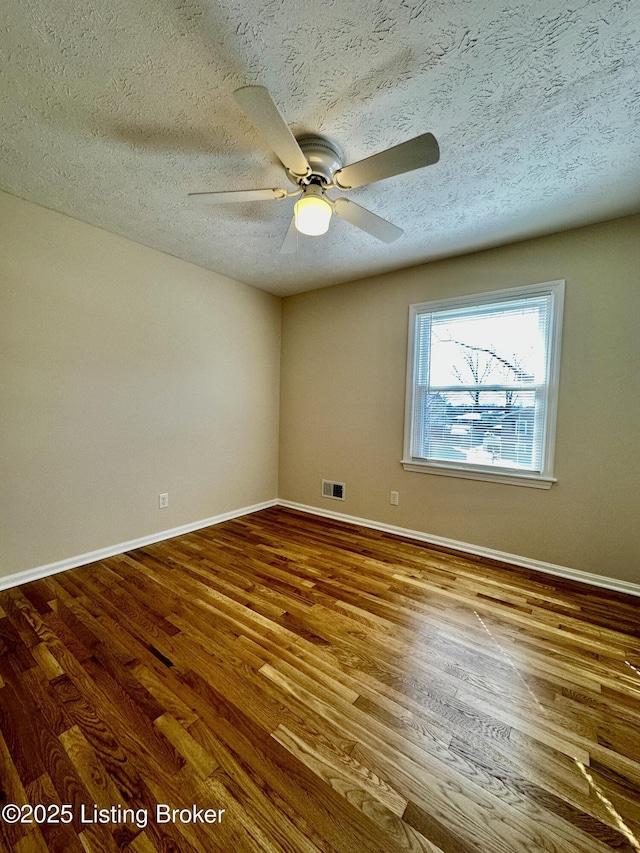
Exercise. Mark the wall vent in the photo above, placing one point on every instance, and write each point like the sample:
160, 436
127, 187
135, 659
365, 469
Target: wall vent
332, 490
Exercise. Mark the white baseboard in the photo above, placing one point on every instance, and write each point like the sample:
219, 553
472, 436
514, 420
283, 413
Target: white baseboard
93, 556
525, 562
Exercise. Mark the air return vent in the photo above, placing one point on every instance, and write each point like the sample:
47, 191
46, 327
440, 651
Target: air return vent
332, 490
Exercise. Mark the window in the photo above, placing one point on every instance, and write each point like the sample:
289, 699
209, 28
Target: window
482, 385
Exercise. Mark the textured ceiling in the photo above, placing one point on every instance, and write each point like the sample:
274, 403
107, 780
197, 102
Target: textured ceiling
114, 110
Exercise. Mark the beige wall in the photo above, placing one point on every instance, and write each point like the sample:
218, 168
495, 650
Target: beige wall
124, 373
342, 404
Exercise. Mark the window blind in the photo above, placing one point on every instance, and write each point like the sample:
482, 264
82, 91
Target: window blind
480, 383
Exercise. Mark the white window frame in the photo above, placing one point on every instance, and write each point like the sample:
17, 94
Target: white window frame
545, 477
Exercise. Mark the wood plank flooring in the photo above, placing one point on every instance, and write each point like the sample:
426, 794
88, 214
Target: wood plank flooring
317, 687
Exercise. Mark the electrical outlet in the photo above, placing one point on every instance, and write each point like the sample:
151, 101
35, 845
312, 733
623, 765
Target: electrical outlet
394, 498
163, 500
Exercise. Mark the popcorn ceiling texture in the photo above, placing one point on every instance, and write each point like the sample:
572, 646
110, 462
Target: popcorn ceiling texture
113, 111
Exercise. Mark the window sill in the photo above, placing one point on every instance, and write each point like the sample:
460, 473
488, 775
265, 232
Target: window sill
535, 481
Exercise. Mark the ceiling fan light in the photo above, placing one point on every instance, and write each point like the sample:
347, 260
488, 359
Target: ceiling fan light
312, 213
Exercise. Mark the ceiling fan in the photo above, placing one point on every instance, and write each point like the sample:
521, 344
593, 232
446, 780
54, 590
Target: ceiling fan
314, 165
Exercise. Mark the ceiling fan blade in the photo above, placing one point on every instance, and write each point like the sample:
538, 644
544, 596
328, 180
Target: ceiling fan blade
367, 221
240, 195
413, 154
290, 242
260, 107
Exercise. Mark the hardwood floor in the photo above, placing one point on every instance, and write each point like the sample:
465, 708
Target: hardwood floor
329, 688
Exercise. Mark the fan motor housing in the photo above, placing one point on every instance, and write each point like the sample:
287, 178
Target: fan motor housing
323, 156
